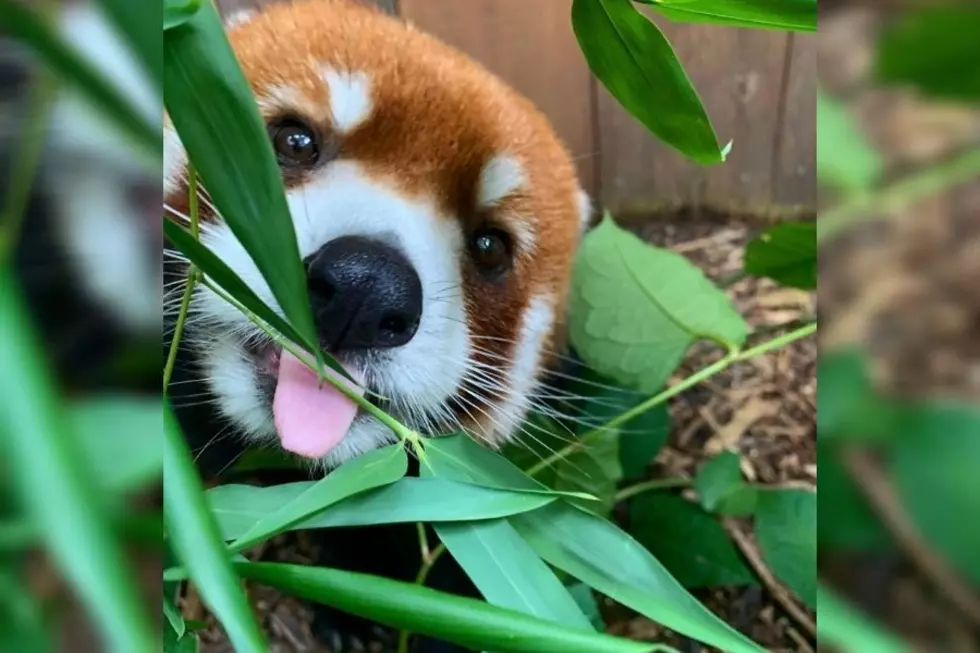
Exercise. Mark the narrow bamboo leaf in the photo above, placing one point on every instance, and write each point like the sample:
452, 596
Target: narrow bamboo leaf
195, 539
25, 24
795, 15
602, 556
218, 271
120, 439
212, 108
61, 497
408, 500
786, 528
139, 23
178, 12
636, 63
370, 470
464, 621
628, 324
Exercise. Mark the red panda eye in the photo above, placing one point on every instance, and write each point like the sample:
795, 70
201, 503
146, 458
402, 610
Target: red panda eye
491, 252
295, 143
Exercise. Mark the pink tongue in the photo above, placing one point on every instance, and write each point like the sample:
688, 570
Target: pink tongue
312, 416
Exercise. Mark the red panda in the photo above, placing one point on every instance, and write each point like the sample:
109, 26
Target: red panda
437, 214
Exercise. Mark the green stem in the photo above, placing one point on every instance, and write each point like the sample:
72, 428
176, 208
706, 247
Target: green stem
732, 357
193, 276
647, 486
899, 195
25, 168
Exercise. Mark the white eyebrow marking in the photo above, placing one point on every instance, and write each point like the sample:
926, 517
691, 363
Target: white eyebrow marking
501, 176
350, 98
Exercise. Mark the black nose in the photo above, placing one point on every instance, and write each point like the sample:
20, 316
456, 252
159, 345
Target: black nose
364, 293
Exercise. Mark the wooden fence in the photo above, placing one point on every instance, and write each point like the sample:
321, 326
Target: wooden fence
758, 86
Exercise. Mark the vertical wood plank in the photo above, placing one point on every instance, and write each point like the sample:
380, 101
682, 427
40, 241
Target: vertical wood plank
532, 47
795, 174
738, 74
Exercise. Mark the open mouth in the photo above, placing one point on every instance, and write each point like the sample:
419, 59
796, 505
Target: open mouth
312, 416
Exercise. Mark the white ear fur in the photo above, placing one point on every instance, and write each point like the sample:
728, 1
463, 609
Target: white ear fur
239, 17
585, 210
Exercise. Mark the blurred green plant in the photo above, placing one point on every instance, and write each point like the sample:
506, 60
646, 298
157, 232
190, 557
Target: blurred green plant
550, 517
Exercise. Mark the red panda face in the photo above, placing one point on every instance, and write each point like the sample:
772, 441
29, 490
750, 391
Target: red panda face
437, 215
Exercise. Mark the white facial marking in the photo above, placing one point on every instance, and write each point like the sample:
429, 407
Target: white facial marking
501, 176
174, 160
350, 98
538, 322
584, 209
419, 376
239, 17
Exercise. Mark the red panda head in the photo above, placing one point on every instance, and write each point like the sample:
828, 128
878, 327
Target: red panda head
437, 215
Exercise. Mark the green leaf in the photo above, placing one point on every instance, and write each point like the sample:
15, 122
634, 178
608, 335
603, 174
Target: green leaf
604, 557
370, 470
786, 529
238, 507
195, 538
934, 467
119, 437
721, 488
139, 23
178, 12
174, 617
28, 27
61, 498
845, 158
690, 543
844, 518
464, 621
214, 112
508, 573
849, 631
786, 253
627, 323
585, 598
795, 15
930, 48
636, 63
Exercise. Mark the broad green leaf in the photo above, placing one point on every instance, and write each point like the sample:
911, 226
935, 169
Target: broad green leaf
849, 631
721, 488
194, 536
786, 529
373, 469
26, 26
464, 621
845, 158
845, 521
61, 498
689, 542
930, 48
636, 63
178, 12
786, 253
795, 15
631, 325
601, 555
120, 438
934, 467
508, 573
214, 112
218, 271
238, 507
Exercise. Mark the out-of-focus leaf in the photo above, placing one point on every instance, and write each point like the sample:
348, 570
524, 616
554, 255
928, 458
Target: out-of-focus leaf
934, 467
795, 15
196, 540
786, 253
848, 631
628, 324
178, 12
464, 621
636, 63
408, 500
934, 49
121, 439
370, 470
690, 543
61, 496
214, 112
139, 23
27, 26
845, 158
845, 521
786, 529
